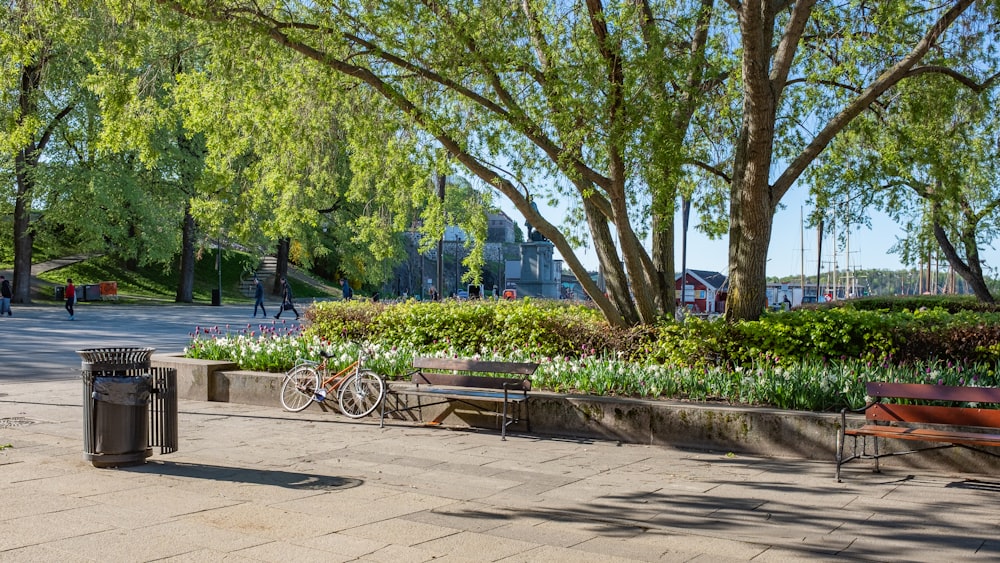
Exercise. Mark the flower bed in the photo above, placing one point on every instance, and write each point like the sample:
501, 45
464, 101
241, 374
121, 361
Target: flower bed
812, 386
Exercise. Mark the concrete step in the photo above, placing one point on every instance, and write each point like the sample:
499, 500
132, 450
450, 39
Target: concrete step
268, 266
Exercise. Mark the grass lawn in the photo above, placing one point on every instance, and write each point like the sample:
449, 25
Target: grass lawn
157, 283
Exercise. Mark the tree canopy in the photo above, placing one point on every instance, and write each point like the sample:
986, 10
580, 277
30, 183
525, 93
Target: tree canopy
286, 119
618, 108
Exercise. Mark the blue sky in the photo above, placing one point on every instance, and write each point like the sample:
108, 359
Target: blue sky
869, 247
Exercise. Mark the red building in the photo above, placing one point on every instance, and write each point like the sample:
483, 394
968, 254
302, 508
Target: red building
702, 291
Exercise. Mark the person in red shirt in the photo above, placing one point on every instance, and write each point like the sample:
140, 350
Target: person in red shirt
70, 297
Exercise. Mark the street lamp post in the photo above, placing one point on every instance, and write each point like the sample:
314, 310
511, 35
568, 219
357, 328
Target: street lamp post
686, 211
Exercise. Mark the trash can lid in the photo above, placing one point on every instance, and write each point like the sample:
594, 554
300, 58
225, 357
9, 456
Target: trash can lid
115, 358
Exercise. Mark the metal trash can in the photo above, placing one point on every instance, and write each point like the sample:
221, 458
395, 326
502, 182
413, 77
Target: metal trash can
128, 407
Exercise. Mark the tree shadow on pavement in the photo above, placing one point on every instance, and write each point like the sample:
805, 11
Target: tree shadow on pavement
285, 479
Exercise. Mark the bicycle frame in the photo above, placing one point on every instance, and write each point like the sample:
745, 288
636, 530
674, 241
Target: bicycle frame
337, 379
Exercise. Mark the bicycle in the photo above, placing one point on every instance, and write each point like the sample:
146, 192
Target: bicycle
359, 390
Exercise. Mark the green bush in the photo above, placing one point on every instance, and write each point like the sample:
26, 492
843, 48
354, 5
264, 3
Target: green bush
548, 329
895, 304
471, 327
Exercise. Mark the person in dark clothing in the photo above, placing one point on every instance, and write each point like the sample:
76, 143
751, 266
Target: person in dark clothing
258, 298
286, 300
345, 288
5, 296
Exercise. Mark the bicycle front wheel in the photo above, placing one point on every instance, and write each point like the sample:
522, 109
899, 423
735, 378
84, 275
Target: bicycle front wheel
361, 394
299, 388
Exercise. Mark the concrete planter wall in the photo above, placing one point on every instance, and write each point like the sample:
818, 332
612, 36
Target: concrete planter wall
720, 428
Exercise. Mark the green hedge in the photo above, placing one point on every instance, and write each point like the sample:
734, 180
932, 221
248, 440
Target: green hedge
472, 327
898, 335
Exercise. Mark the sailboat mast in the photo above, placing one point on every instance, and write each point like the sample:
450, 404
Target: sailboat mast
802, 254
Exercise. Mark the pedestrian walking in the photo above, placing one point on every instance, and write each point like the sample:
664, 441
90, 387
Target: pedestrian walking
286, 300
345, 288
70, 298
258, 298
5, 295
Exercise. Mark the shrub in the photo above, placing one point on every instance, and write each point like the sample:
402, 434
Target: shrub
469, 327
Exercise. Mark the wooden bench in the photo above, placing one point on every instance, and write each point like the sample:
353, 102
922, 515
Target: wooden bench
444, 380
954, 420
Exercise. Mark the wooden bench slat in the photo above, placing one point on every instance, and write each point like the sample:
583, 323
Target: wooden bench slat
926, 435
930, 414
933, 392
459, 393
485, 382
518, 368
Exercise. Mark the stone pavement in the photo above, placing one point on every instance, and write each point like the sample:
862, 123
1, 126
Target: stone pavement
258, 484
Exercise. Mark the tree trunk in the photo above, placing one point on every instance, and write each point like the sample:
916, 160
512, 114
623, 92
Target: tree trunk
607, 256
25, 162
281, 269
22, 231
132, 260
972, 272
751, 209
663, 261
749, 238
185, 284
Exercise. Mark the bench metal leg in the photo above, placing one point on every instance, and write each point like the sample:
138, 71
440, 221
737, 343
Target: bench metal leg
840, 450
503, 421
874, 439
527, 415
381, 421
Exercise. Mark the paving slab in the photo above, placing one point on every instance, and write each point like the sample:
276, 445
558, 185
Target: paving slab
257, 483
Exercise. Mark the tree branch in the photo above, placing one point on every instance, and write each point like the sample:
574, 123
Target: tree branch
47, 134
966, 81
789, 42
712, 170
886, 80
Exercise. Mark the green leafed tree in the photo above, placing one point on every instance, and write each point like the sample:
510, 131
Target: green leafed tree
807, 70
575, 103
282, 135
43, 96
930, 159
137, 81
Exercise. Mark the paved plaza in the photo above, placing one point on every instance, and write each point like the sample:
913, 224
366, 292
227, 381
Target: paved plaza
255, 483
39, 341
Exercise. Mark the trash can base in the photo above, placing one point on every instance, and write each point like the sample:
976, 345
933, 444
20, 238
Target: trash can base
118, 460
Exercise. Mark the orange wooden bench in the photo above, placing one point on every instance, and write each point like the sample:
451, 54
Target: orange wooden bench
946, 417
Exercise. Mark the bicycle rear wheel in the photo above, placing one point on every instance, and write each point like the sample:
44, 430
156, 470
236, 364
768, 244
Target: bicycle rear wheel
361, 394
299, 388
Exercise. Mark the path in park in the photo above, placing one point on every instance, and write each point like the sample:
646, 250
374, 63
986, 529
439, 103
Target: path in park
40, 285
252, 483
39, 340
